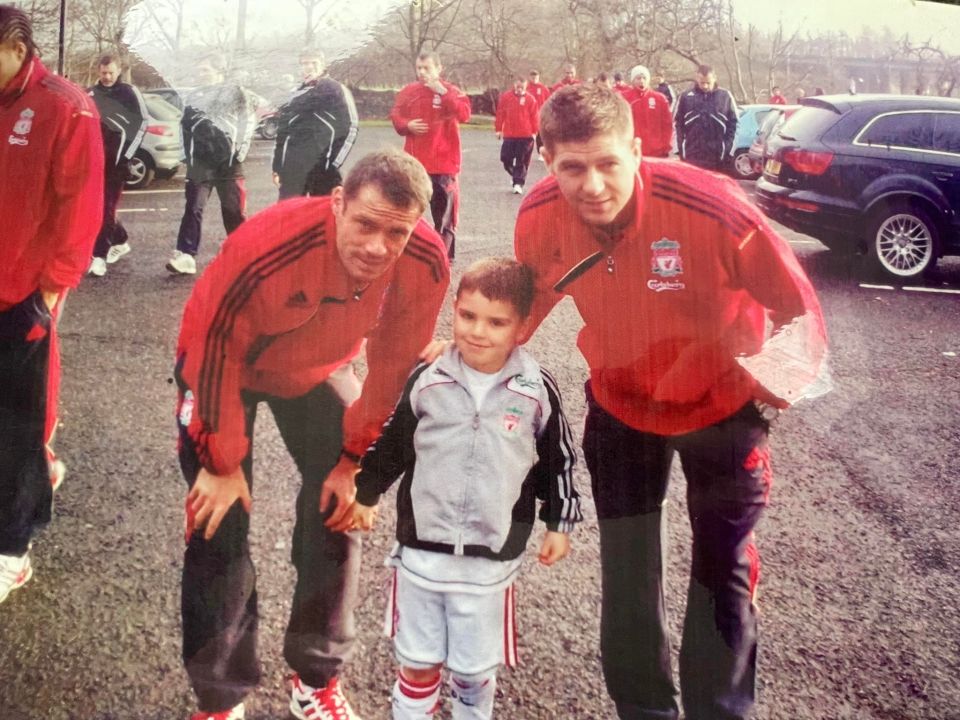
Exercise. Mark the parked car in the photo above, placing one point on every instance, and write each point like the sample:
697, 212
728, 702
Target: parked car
161, 151
750, 118
771, 124
874, 173
174, 96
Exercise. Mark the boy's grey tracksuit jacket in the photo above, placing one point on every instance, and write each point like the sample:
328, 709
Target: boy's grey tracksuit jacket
471, 478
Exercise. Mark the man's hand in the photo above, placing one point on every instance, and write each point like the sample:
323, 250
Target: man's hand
555, 547
418, 126
50, 298
276, 179
363, 517
499, 136
338, 493
435, 85
433, 350
211, 497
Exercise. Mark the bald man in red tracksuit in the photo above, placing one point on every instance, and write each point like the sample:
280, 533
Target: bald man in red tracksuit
428, 114
517, 124
51, 202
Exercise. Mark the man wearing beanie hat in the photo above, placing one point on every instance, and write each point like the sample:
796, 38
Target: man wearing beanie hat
652, 122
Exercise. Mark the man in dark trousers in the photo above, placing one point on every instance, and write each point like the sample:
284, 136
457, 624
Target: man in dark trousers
123, 120
517, 124
706, 122
277, 318
51, 197
719, 308
316, 131
428, 114
218, 122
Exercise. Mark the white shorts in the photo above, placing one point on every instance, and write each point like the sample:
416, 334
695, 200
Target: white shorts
469, 633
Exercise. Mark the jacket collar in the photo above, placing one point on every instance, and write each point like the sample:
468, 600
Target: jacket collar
520, 362
29, 75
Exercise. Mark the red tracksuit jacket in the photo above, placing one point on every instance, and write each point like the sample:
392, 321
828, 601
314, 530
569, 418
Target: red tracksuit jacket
439, 148
540, 91
51, 183
669, 304
518, 116
652, 121
274, 313
563, 83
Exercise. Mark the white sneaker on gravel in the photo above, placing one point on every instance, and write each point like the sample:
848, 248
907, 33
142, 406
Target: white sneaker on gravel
517, 190
234, 713
58, 470
15, 571
98, 267
326, 703
182, 263
116, 252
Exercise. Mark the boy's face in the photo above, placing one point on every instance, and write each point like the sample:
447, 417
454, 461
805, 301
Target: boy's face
485, 331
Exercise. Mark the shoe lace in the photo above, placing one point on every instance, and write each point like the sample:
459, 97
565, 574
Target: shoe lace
332, 701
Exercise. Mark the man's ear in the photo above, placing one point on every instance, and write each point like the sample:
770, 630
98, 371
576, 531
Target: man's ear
337, 201
547, 158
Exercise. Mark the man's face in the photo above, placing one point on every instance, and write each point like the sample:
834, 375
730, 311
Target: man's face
596, 176
640, 82
428, 70
534, 77
108, 74
569, 72
706, 82
485, 331
310, 68
371, 232
519, 86
12, 57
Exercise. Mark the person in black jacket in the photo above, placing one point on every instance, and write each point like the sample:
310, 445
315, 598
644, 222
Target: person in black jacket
706, 122
218, 121
317, 130
123, 119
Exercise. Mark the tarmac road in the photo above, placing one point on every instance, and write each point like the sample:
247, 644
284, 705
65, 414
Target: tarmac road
860, 546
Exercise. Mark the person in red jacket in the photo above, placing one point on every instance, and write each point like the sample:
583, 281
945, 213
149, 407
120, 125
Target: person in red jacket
541, 92
51, 200
517, 124
776, 96
652, 121
428, 114
723, 327
569, 77
276, 318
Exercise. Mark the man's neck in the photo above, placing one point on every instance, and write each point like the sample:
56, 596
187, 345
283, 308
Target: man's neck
608, 235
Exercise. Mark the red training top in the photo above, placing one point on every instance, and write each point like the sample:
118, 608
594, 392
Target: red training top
517, 115
540, 91
276, 313
778, 100
439, 148
51, 183
652, 121
563, 83
671, 300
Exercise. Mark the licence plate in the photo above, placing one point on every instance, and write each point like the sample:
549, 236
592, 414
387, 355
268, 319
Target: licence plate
772, 167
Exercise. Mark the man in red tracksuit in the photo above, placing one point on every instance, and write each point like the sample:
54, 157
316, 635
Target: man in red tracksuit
517, 124
541, 92
277, 318
676, 276
428, 114
652, 120
51, 195
569, 77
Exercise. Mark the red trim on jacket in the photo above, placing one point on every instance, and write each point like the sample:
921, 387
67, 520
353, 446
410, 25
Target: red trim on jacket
275, 313
694, 280
518, 116
439, 148
652, 121
51, 183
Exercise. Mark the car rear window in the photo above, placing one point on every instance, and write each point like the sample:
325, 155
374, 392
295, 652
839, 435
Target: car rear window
808, 123
160, 109
912, 130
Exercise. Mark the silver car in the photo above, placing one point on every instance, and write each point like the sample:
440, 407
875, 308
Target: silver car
161, 151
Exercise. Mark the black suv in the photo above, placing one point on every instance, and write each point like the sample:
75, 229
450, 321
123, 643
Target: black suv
874, 173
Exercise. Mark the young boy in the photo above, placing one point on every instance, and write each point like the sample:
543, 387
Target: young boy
478, 436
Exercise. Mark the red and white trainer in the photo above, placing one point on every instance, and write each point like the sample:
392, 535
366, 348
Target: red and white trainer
234, 713
327, 703
15, 572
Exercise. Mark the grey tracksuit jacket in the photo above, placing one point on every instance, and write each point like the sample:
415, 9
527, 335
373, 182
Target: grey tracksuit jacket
471, 479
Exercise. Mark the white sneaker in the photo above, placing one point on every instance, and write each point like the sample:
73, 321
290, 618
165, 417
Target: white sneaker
308, 703
58, 470
182, 263
14, 573
234, 713
98, 267
517, 190
116, 252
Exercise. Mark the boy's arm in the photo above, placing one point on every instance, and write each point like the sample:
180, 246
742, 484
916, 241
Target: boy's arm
392, 452
553, 472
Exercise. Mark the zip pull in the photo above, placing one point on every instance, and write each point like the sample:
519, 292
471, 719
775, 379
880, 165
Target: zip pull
476, 421
610, 264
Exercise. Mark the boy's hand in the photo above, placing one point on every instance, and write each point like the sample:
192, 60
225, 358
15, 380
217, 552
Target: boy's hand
340, 487
364, 516
433, 350
211, 497
555, 547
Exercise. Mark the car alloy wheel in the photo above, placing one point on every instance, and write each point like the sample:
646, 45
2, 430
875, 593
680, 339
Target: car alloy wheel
905, 242
742, 166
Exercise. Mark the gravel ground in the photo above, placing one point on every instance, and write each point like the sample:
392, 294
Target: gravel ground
860, 545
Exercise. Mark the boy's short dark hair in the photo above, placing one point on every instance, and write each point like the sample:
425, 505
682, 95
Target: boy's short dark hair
581, 112
500, 278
